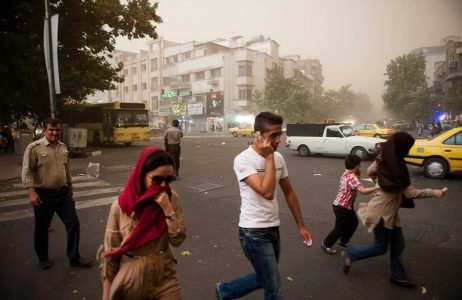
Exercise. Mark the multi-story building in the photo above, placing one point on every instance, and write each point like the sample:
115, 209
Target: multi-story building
448, 76
213, 81
434, 57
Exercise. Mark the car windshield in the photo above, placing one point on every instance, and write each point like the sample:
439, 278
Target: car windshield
347, 131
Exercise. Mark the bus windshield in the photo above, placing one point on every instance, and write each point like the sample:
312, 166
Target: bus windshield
129, 118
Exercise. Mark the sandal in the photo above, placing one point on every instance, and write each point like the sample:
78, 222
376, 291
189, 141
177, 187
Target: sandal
328, 249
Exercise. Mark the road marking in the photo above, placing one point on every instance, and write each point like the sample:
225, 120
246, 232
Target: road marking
76, 195
26, 213
75, 186
74, 179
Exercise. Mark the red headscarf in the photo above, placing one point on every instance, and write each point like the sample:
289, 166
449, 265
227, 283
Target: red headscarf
151, 220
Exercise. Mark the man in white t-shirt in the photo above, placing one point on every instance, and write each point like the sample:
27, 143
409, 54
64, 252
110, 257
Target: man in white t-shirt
258, 169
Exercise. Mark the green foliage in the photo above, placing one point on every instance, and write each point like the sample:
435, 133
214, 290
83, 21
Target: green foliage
338, 104
406, 92
285, 96
86, 37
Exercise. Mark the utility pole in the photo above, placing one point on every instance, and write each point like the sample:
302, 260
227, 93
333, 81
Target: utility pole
51, 81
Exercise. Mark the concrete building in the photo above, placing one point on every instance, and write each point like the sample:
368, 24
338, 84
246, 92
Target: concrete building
210, 84
434, 57
448, 76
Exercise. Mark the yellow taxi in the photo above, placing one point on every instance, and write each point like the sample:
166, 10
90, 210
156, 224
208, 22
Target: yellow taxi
439, 155
374, 130
244, 131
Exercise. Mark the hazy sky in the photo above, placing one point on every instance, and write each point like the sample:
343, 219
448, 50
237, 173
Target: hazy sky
353, 39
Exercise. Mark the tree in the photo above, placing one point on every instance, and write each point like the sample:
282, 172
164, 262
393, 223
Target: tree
406, 92
285, 96
86, 39
338, 104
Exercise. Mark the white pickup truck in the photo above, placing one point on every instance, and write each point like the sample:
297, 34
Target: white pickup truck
330, 139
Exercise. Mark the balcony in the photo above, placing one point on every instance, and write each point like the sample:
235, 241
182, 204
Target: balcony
178, 85
213, 82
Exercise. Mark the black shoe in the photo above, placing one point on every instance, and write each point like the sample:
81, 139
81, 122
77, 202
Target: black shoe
81, 263
346, 263
407, 283
44, 264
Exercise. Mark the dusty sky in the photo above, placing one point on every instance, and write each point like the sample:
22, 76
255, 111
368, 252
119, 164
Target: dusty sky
353, 39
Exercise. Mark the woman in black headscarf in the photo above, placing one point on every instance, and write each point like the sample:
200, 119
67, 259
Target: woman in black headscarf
380, 214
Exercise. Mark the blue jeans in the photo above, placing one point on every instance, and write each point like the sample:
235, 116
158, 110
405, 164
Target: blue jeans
261, 246
383, 237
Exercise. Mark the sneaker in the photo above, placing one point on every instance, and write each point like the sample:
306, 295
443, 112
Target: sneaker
217, 291
327, 249
44, 264
407, 283
346, 263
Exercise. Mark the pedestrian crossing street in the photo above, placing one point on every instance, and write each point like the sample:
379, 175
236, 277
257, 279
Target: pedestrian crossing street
88, 192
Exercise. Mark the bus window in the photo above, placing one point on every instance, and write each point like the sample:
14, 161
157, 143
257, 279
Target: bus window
141, 118
124, 119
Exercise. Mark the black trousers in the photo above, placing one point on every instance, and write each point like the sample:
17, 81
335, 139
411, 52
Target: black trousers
346, 223
175, 151
61, 202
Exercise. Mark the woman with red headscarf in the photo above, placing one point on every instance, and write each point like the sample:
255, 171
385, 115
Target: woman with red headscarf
380, 214
136, 259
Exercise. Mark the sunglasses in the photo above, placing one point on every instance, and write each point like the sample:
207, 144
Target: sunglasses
158, 179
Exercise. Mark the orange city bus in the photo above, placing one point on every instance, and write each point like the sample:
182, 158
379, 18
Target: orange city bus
115, 122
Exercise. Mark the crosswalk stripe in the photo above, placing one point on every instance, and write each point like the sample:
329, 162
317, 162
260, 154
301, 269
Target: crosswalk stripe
75, 186
25, 213
76, 195
74, 179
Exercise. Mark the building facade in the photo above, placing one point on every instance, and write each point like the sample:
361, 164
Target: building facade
209, 84
434, 58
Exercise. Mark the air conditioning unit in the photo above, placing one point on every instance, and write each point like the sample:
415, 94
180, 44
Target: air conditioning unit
452, 63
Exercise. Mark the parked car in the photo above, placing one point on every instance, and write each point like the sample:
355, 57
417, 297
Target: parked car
330, 139
374, 130
244, 131
440, 155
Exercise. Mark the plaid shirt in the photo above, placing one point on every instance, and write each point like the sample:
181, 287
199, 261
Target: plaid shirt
347, 190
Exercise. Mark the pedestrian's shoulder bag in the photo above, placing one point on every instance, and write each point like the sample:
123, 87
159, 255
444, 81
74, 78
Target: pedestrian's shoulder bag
407, 202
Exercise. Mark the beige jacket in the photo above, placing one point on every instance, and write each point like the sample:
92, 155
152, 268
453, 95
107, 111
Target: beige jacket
386, 205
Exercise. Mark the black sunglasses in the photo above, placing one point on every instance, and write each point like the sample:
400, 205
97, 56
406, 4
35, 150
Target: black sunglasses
158, 179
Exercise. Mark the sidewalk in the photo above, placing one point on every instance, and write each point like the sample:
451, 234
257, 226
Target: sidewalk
9, 166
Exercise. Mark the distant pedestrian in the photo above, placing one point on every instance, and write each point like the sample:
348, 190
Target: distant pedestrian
343, 206
172, 139
47, 177
431, 128
380, 214
258, 169
136, 259
419, 126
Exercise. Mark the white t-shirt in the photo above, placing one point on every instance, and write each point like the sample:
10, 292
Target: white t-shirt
256, 211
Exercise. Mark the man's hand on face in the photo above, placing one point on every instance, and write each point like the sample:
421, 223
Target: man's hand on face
263, 146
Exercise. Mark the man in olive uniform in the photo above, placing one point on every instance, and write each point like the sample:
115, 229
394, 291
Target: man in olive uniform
47, 178
172, 139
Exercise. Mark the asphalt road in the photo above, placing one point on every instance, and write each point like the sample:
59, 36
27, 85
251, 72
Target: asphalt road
432, 257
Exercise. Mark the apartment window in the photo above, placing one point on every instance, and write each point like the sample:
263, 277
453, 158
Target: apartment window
125, 72
135, 87
154, 64
144, 85
166, 81
143, 67
126, 89
134, 70
185, 78
175, 59
216, 72
187, 55
245, 93
245, 69
200, 75
154, 84
200, 98
154, 103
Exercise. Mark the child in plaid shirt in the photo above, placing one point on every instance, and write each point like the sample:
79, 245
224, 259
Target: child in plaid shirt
345, 216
